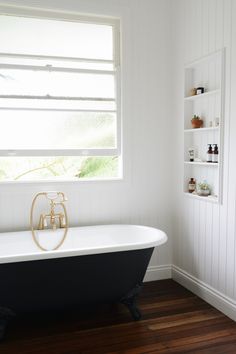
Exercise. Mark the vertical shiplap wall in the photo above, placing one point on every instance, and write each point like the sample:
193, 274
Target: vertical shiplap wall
204, 241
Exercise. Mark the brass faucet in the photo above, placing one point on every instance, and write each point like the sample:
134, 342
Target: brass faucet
55, 219
52, 216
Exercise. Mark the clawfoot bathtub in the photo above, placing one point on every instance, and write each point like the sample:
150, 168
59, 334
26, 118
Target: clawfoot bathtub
96, 264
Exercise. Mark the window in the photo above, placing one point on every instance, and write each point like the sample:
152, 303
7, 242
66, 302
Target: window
59, 99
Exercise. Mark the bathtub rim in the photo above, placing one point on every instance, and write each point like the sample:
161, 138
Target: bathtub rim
37, 254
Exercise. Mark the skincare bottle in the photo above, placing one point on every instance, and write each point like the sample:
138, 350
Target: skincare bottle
215, 154
191, 154
216, 121
191, 185
209, 153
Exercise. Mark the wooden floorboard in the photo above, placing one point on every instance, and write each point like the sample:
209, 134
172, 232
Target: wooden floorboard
173, 321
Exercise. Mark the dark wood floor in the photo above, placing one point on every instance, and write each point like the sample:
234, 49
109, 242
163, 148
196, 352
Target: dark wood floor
174, 321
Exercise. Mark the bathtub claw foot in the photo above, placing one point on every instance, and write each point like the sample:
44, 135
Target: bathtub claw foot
5, 316
130, 302
134, 311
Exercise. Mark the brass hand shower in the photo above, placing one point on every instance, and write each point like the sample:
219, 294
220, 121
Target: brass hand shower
55, 198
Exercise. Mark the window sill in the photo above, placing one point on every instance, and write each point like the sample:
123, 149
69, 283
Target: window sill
66, 181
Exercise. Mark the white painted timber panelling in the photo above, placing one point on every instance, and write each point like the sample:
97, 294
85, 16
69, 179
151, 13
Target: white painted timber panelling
204, 241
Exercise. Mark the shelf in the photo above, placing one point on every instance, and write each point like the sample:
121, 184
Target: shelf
206, 164
210, 198
210, 106
202, 95
201, 129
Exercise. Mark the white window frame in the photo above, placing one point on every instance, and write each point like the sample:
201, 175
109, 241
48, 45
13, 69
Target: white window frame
72, 17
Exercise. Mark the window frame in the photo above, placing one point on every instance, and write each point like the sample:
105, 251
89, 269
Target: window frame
72, 17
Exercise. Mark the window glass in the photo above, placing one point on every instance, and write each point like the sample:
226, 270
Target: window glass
55, 38
57, 130
58, 168
27, 82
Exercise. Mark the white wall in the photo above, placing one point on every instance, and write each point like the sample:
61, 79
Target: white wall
204, 239
143, 197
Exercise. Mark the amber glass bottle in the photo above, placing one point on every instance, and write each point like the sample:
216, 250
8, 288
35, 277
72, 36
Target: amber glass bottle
215, 154
191, 185
209, 153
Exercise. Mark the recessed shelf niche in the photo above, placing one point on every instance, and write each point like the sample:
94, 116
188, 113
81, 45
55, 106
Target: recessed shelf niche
206, 72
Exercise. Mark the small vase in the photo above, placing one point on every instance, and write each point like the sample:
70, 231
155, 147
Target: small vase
204, 192
196, 123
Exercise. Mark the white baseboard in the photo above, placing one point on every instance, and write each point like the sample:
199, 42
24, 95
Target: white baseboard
206, 292
158, 272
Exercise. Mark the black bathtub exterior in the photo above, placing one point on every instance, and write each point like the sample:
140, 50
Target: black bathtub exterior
60, 283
